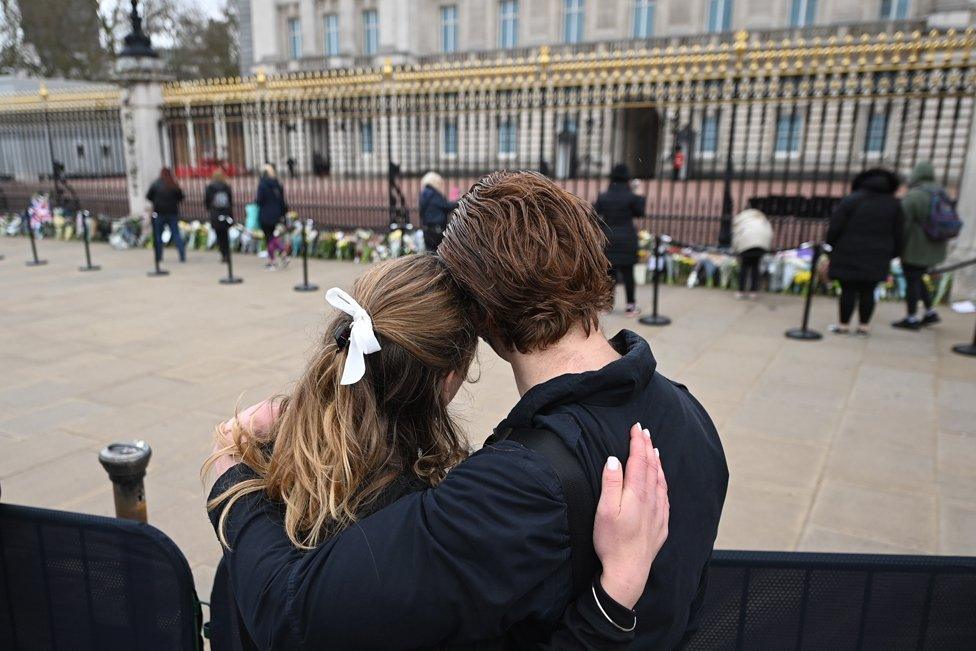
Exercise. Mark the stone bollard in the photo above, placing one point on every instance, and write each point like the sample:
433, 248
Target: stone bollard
126, 464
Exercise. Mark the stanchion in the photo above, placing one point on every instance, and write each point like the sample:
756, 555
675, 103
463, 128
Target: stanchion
126, 464
966, 349
30, 232
157, 253
804, 333
655, 319
305, 286
84, 232
230, 279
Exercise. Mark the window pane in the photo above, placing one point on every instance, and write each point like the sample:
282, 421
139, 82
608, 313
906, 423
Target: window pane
370, 36
331, 35
573, 21
508, 28
874, 139
366, 137
788, 131
294, 38
450, 137
709, 135
902, 11
795, 13
506, 136
811, 16
643, 18
449, 28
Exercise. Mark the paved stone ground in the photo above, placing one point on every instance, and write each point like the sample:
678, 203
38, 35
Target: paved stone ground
840, 445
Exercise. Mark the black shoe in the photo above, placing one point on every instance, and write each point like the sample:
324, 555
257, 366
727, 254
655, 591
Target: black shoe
931, 319
907, 324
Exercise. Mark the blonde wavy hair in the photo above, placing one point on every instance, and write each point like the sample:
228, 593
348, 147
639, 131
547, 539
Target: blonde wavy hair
333, 449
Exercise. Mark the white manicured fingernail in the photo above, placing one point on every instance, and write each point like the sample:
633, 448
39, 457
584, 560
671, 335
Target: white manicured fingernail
647, 433
613, 463
639, 426
657, 453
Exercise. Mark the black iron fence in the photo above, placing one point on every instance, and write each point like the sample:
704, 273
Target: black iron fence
706, 129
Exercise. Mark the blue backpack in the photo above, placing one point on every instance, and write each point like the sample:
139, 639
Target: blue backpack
943, 221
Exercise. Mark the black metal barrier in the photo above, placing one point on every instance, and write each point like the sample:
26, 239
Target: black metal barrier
156, 247
789, 600
655, 319
86, 236
35, 261
305, 286
804, 333
231, 279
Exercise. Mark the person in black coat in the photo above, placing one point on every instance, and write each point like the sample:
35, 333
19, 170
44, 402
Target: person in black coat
165, 196
271, 210
435, 209
618, 207
866, 232
218, 200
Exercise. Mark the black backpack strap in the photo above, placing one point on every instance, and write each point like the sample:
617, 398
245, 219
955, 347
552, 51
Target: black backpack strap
580, 501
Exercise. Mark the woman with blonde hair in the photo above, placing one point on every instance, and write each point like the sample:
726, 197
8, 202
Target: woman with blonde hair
368, 423
435, 209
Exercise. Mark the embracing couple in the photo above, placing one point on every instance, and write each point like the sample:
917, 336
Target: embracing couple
352, 515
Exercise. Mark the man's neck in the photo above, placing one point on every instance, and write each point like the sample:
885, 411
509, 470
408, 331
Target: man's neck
577, 352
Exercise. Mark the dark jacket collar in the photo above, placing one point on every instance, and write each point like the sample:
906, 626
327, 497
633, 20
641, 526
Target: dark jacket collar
615, 383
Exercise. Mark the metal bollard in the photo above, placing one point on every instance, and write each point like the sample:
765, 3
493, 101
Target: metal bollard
157, 253
804, 333
655, 319
84, 229
126, 464
35, 261
231, 279
305, 286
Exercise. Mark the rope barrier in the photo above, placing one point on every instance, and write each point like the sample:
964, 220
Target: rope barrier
953, 266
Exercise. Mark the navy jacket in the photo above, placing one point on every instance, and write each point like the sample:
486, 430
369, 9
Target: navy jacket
434, 207
271, 201
487, 551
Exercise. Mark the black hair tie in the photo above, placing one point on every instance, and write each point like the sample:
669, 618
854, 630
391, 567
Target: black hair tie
342, 336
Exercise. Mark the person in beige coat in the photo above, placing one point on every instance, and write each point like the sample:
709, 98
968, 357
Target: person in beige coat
752, 238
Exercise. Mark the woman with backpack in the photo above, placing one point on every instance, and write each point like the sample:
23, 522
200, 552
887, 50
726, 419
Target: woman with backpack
218, 201
271, 211
165, 196
925, 241
866, 233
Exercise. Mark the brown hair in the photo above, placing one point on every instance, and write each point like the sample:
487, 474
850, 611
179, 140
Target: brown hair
530, 256
333, 448
166, 176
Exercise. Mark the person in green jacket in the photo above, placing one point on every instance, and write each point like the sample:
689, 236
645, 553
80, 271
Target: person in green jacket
921, 253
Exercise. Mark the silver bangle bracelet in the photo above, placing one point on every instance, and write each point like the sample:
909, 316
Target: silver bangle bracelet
610, 619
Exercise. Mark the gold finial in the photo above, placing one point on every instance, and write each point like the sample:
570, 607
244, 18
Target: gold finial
544, 56
262, 77
43, 92
388, 67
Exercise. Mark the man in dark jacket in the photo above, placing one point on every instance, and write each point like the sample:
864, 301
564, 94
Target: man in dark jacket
866, 233
434, 210
618, 207
218, 200
920, 253
488, 550
271, 210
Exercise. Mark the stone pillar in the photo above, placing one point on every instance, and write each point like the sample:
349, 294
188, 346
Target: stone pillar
142, 101
964, 247
140, 72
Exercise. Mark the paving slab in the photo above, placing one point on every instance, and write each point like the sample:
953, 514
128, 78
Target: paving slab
844, 444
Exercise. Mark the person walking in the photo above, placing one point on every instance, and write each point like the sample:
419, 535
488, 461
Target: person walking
921, 252
272, 207
677, 163
165, 195
866, 232
618, 206
218, 200
752, 238
435, 209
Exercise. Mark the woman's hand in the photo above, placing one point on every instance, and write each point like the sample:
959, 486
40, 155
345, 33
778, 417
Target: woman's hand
631, 519
256, 420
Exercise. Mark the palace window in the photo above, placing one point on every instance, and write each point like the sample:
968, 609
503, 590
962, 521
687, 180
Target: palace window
507, 132
508, 24
803, 13
450, 137
573, 21
719, 15
331, 35
371, 28
894, 9
644, 18
449, 27
876, 133
789, 130
366, 137
294, 38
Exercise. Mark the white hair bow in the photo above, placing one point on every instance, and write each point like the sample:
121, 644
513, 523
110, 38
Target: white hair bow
362, 339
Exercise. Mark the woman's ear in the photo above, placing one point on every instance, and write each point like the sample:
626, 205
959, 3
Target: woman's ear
450, 385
